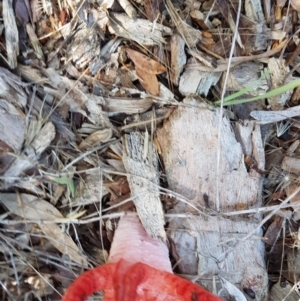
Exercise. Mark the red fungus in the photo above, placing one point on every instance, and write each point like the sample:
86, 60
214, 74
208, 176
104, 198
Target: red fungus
138, 269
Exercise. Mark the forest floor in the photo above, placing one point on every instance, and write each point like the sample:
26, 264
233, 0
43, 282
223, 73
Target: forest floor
210, 85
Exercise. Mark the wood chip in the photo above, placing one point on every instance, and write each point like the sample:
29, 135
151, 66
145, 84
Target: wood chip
141, 31
178, 58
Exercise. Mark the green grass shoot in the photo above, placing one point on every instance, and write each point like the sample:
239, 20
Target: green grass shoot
234, 100
65, 181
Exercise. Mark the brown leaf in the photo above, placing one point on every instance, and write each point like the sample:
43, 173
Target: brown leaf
119, 185
30, 207
273, 231
152, 9
144, 63
148, 81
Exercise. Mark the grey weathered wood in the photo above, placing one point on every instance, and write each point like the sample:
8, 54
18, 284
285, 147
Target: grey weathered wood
178, 57
264, 117
255, 13
140, 161
207, 242
11, 33
85, 46
12, 129
142, 31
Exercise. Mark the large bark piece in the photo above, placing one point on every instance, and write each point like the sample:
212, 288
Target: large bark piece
210, 242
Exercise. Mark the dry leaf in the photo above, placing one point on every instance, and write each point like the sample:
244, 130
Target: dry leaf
117, 165
22, 12
63, 242
296, 5
96, 138
273, 231
148, 81
31, 207
144, 63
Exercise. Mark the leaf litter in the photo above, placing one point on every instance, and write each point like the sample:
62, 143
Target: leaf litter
80, 81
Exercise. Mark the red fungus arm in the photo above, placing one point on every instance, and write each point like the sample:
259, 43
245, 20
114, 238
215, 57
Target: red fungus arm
152, 284
98, 279
139, 282
139, 269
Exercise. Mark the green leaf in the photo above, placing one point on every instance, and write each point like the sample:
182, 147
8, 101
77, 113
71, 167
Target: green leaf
65, 181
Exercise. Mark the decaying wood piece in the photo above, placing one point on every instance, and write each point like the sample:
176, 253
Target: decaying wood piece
204, 240
142, 31
140, 161
11, 33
